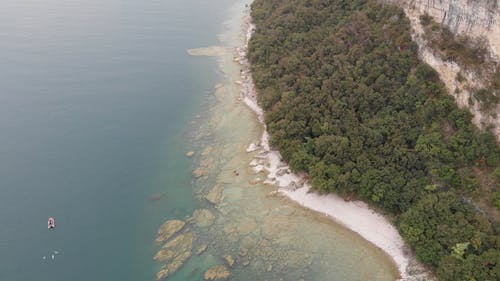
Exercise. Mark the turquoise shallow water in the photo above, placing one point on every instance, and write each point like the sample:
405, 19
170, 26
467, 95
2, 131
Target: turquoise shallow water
99, 102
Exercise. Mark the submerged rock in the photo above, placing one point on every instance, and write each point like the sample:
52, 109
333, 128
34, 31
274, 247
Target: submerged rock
157, 196
200, 172
207, 150
170, 268
202, 249
230, 260
255, 181
218, 272
174, 253
207, 162
212, 51
203, 217
179, 245
230, 230
168, 229
246, 225
215, 195
243, 252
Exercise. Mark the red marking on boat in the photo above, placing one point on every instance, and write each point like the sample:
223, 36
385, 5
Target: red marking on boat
51, 223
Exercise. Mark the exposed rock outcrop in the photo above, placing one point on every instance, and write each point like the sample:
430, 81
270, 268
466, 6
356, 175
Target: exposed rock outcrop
168, 229
177, 247
170, 268
175, 253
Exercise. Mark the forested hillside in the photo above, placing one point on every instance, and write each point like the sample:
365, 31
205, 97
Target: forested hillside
348, 102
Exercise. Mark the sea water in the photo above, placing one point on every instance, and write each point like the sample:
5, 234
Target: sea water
99, 102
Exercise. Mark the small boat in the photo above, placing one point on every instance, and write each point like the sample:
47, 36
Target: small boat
51, 223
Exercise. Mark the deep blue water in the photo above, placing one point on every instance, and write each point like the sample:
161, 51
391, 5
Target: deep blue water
95, 97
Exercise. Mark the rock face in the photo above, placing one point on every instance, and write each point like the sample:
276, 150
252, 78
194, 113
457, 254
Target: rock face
476, 19
218, 272
168, 229
479, 18
174, 254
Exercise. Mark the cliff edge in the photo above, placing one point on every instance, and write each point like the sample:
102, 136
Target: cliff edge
469, 23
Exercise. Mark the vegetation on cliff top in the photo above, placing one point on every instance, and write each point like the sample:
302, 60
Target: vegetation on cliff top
471, 55
348, 102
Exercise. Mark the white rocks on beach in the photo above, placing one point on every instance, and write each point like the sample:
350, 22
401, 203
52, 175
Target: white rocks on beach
253, 147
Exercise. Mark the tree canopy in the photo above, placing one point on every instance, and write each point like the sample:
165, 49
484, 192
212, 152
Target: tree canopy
348, 101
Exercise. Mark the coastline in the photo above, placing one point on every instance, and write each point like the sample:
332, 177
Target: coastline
354, 215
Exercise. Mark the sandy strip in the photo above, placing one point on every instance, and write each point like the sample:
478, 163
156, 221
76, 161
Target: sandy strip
355, 215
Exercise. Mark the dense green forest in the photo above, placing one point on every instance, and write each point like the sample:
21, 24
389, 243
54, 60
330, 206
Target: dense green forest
348, 101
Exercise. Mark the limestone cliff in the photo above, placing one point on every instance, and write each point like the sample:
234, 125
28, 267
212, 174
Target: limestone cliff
477, 19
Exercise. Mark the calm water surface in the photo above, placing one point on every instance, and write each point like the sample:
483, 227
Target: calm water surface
94, 97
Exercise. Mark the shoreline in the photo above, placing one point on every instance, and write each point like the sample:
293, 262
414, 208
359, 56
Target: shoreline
356, 216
